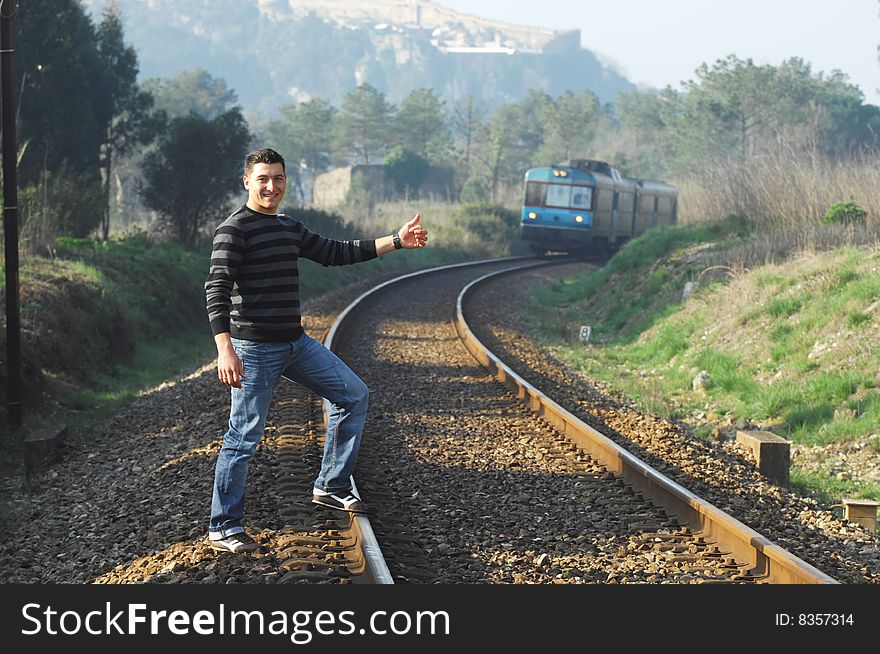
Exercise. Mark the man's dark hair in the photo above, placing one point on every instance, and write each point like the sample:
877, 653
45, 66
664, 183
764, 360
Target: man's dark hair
264, 155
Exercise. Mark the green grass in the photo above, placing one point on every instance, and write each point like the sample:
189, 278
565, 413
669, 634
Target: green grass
771, 402
763, 281
858, 318
784, 307
88, 271
792, 350
154, 363
728, 373
828, 490
651, 292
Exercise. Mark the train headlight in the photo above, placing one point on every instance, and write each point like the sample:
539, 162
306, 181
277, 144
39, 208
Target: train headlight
579, 219
532, 215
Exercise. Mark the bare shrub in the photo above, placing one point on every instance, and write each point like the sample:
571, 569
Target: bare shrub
784, 188
777, 244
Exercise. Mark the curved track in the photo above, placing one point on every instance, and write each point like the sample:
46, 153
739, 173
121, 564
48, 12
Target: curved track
463, 480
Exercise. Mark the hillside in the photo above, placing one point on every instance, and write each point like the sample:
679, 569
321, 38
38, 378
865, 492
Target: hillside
275, 52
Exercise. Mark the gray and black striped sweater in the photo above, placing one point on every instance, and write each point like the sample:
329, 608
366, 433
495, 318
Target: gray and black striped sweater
253, 285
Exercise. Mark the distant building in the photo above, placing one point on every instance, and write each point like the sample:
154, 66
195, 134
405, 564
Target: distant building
332, 187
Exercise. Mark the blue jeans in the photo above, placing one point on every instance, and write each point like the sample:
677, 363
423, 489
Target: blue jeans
306, 362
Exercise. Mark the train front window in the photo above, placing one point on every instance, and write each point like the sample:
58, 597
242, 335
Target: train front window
581, 197
558, 195
535, 194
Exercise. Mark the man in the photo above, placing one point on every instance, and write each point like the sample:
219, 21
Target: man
253, 305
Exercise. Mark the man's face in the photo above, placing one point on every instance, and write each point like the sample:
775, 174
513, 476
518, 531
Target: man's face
265, 186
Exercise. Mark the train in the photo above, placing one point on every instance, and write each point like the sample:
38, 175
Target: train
586, 206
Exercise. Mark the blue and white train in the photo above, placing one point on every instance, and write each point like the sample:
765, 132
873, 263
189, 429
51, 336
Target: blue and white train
586, 206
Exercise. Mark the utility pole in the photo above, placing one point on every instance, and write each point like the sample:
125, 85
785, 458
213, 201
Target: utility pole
8, 8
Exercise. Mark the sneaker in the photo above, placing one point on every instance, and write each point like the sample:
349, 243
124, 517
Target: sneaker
235, 543
342, 500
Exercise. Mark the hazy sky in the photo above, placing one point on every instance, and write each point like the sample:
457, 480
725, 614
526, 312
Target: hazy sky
661, 43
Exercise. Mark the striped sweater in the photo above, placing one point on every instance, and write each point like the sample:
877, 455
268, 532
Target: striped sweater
253, 285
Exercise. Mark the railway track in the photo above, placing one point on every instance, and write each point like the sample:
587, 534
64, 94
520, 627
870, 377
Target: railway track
468, 482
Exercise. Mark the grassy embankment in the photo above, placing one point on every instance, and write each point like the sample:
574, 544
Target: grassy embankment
782, 317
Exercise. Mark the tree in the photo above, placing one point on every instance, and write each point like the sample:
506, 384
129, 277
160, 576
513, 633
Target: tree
313, 128
125, 108
62, 117
736, 111
195, 168
736, 101
420, 125
363, 121
570, 122
467, 125
306, 134
278, 134
512, 141
842, 122
529, 130
647, 121
499, 153
59, 82
739, 109
192, 91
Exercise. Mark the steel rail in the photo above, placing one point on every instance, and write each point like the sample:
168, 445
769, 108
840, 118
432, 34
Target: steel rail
769, 562
374, 569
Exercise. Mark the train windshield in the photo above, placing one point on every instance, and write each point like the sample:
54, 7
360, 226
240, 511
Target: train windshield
581, 197
558, 195
535, 194
541, 194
